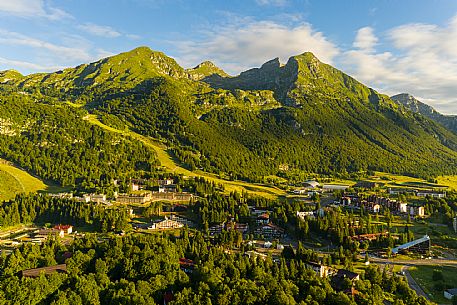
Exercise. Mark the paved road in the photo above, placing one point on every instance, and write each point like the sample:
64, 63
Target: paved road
418, 262
412, 283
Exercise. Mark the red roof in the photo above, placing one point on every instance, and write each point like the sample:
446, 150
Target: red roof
63, 227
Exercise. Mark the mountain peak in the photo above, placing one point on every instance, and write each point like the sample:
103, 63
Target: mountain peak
205, 69
7, 76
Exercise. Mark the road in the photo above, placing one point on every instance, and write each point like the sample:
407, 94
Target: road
412, 283
408, 263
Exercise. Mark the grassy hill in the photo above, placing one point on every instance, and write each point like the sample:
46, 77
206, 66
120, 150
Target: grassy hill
14, 181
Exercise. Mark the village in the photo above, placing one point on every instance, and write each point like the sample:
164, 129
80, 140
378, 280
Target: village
257, 234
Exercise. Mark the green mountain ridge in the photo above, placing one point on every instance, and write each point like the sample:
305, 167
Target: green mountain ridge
304, 116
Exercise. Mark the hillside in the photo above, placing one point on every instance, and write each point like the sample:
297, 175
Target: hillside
411, 103
304, 116
14, 181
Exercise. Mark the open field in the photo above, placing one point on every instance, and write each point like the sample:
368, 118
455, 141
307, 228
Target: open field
423, 275
14, 181
167, 161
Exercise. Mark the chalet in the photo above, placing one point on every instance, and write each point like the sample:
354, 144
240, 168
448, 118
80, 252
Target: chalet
300, 192
134, 199
45, 270
165, 224
134, 187
67, 229
263, 218
369, 237
270, 231
450, 293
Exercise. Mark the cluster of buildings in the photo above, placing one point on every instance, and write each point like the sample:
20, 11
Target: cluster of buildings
243, 228
374, 204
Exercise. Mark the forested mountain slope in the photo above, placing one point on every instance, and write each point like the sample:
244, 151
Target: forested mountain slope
304, 115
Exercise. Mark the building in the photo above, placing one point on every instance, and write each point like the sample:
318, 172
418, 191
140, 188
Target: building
303, 215
134, 199
396, 190
263, 218
134, 187
367, 184
45, 233
338, 280
455, 224
425, 193
165, 224
334, 187
186, 265
67, 229
168, 188
98, 198
166, 181
218, 228
33, 273
416, 211
269, 231
450, 293
61, 195
311, 184
321, 270
421, 246
83, 198
183, 220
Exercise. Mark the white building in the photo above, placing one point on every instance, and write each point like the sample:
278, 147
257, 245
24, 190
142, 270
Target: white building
450, 293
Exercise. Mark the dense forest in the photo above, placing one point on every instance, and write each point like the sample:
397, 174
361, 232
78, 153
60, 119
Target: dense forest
144, 269
54, 142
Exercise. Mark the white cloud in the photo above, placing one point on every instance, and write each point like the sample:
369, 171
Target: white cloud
7, 64
31, 8
365, 39
68, 53
272, 2
247, 44
99, 30
422, 61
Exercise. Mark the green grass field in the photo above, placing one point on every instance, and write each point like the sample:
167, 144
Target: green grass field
423, 275
14, 181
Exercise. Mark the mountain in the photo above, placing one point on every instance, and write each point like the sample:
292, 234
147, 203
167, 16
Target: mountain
304, 116
411, 103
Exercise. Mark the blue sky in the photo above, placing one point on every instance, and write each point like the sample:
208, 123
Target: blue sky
392, 46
